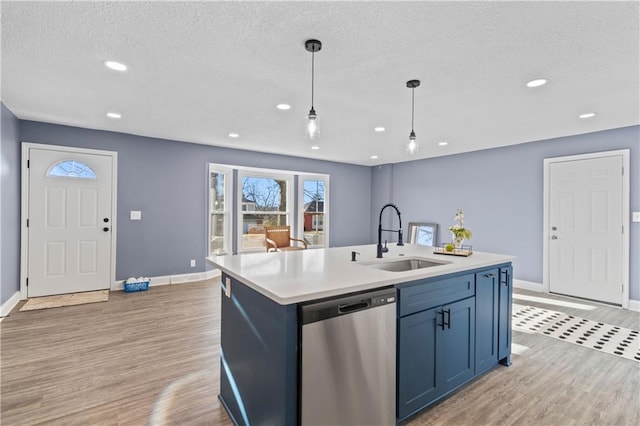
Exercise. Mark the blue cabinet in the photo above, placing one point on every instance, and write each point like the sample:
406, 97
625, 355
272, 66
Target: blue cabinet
456, 343
450, 330
505, 295
494, 295
417, 385
487, 307
435, 346
435, 354
258, 356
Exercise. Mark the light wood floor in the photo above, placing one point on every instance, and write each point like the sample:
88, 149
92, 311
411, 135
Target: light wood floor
151, 358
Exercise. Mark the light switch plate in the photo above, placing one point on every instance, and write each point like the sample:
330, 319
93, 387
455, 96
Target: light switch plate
136, 215
636, 217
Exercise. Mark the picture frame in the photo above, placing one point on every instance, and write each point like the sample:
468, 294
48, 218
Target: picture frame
423, 234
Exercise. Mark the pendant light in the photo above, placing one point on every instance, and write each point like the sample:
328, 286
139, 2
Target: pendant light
313, 126
412, 145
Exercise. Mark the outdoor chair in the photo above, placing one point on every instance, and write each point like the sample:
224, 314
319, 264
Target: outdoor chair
278, 238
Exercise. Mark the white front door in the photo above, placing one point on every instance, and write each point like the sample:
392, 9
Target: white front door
585, 228
70, 199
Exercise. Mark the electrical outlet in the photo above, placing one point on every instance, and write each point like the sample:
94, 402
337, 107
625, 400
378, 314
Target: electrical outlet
636, 217
193, 263
135, 215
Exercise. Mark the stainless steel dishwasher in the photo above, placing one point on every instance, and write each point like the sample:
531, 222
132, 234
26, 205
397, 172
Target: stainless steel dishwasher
348, 365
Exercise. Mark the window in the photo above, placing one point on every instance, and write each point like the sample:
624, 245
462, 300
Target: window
219, 220
264, 202
71, 169
313, 211
264, 197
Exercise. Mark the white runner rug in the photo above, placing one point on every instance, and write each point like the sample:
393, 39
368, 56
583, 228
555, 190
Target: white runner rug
602, 337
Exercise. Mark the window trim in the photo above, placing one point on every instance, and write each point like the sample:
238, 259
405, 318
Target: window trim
314, 176
227, 227
233, 209
266, 174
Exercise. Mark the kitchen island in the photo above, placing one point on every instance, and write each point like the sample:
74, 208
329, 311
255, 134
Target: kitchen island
453, 322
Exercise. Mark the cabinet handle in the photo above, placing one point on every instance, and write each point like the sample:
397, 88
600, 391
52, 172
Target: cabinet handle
489, 275
442, 324
448, 311
506, 277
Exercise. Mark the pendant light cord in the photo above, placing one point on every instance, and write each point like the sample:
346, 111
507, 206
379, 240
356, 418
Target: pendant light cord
313, 54
413, 92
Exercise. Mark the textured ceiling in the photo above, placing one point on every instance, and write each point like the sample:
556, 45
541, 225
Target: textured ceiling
200, 70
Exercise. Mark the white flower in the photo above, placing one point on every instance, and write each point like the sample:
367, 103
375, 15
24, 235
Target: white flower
458, 230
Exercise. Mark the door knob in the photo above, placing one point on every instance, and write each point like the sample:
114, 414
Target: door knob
553, 228
105, 229
553, 237
106, 220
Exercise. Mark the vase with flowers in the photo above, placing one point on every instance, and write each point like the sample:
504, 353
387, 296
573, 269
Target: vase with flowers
458, 232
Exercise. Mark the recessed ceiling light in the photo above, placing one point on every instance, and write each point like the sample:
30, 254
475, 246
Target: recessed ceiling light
114, 115
379, 129
315, 147
537, 82
443, 143
233, 135
115, 65
587, 115
283, 106
374, 157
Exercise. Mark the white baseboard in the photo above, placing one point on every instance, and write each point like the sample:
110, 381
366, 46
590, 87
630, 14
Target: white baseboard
528, 285
174, 279
8, 306
634, 305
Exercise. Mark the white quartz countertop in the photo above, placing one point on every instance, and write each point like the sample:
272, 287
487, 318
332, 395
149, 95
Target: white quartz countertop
304, 275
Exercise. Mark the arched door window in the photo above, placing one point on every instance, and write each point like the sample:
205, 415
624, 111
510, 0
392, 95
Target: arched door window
71, 169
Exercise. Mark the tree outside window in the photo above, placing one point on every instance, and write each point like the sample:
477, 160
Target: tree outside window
264, 203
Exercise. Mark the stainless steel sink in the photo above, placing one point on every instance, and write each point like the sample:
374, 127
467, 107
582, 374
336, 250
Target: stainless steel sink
402, 265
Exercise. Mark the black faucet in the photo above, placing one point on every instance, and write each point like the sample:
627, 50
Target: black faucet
399, 231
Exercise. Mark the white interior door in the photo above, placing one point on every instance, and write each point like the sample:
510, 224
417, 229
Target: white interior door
69, 222
585, 228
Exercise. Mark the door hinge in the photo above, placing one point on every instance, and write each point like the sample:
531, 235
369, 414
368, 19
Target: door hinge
27, 281
622, 170
28, 163
27, 223
622, 229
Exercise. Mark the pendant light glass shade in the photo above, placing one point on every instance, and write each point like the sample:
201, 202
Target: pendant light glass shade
313, 125
412, 145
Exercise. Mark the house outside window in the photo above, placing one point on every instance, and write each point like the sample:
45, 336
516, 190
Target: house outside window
314, 198
265, 202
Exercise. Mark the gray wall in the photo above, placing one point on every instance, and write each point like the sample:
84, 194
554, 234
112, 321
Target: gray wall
167, 181
9, 205
501, 193
499, 189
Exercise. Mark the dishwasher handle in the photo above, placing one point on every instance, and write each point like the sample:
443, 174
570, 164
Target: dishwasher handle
309, 313
352, 307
